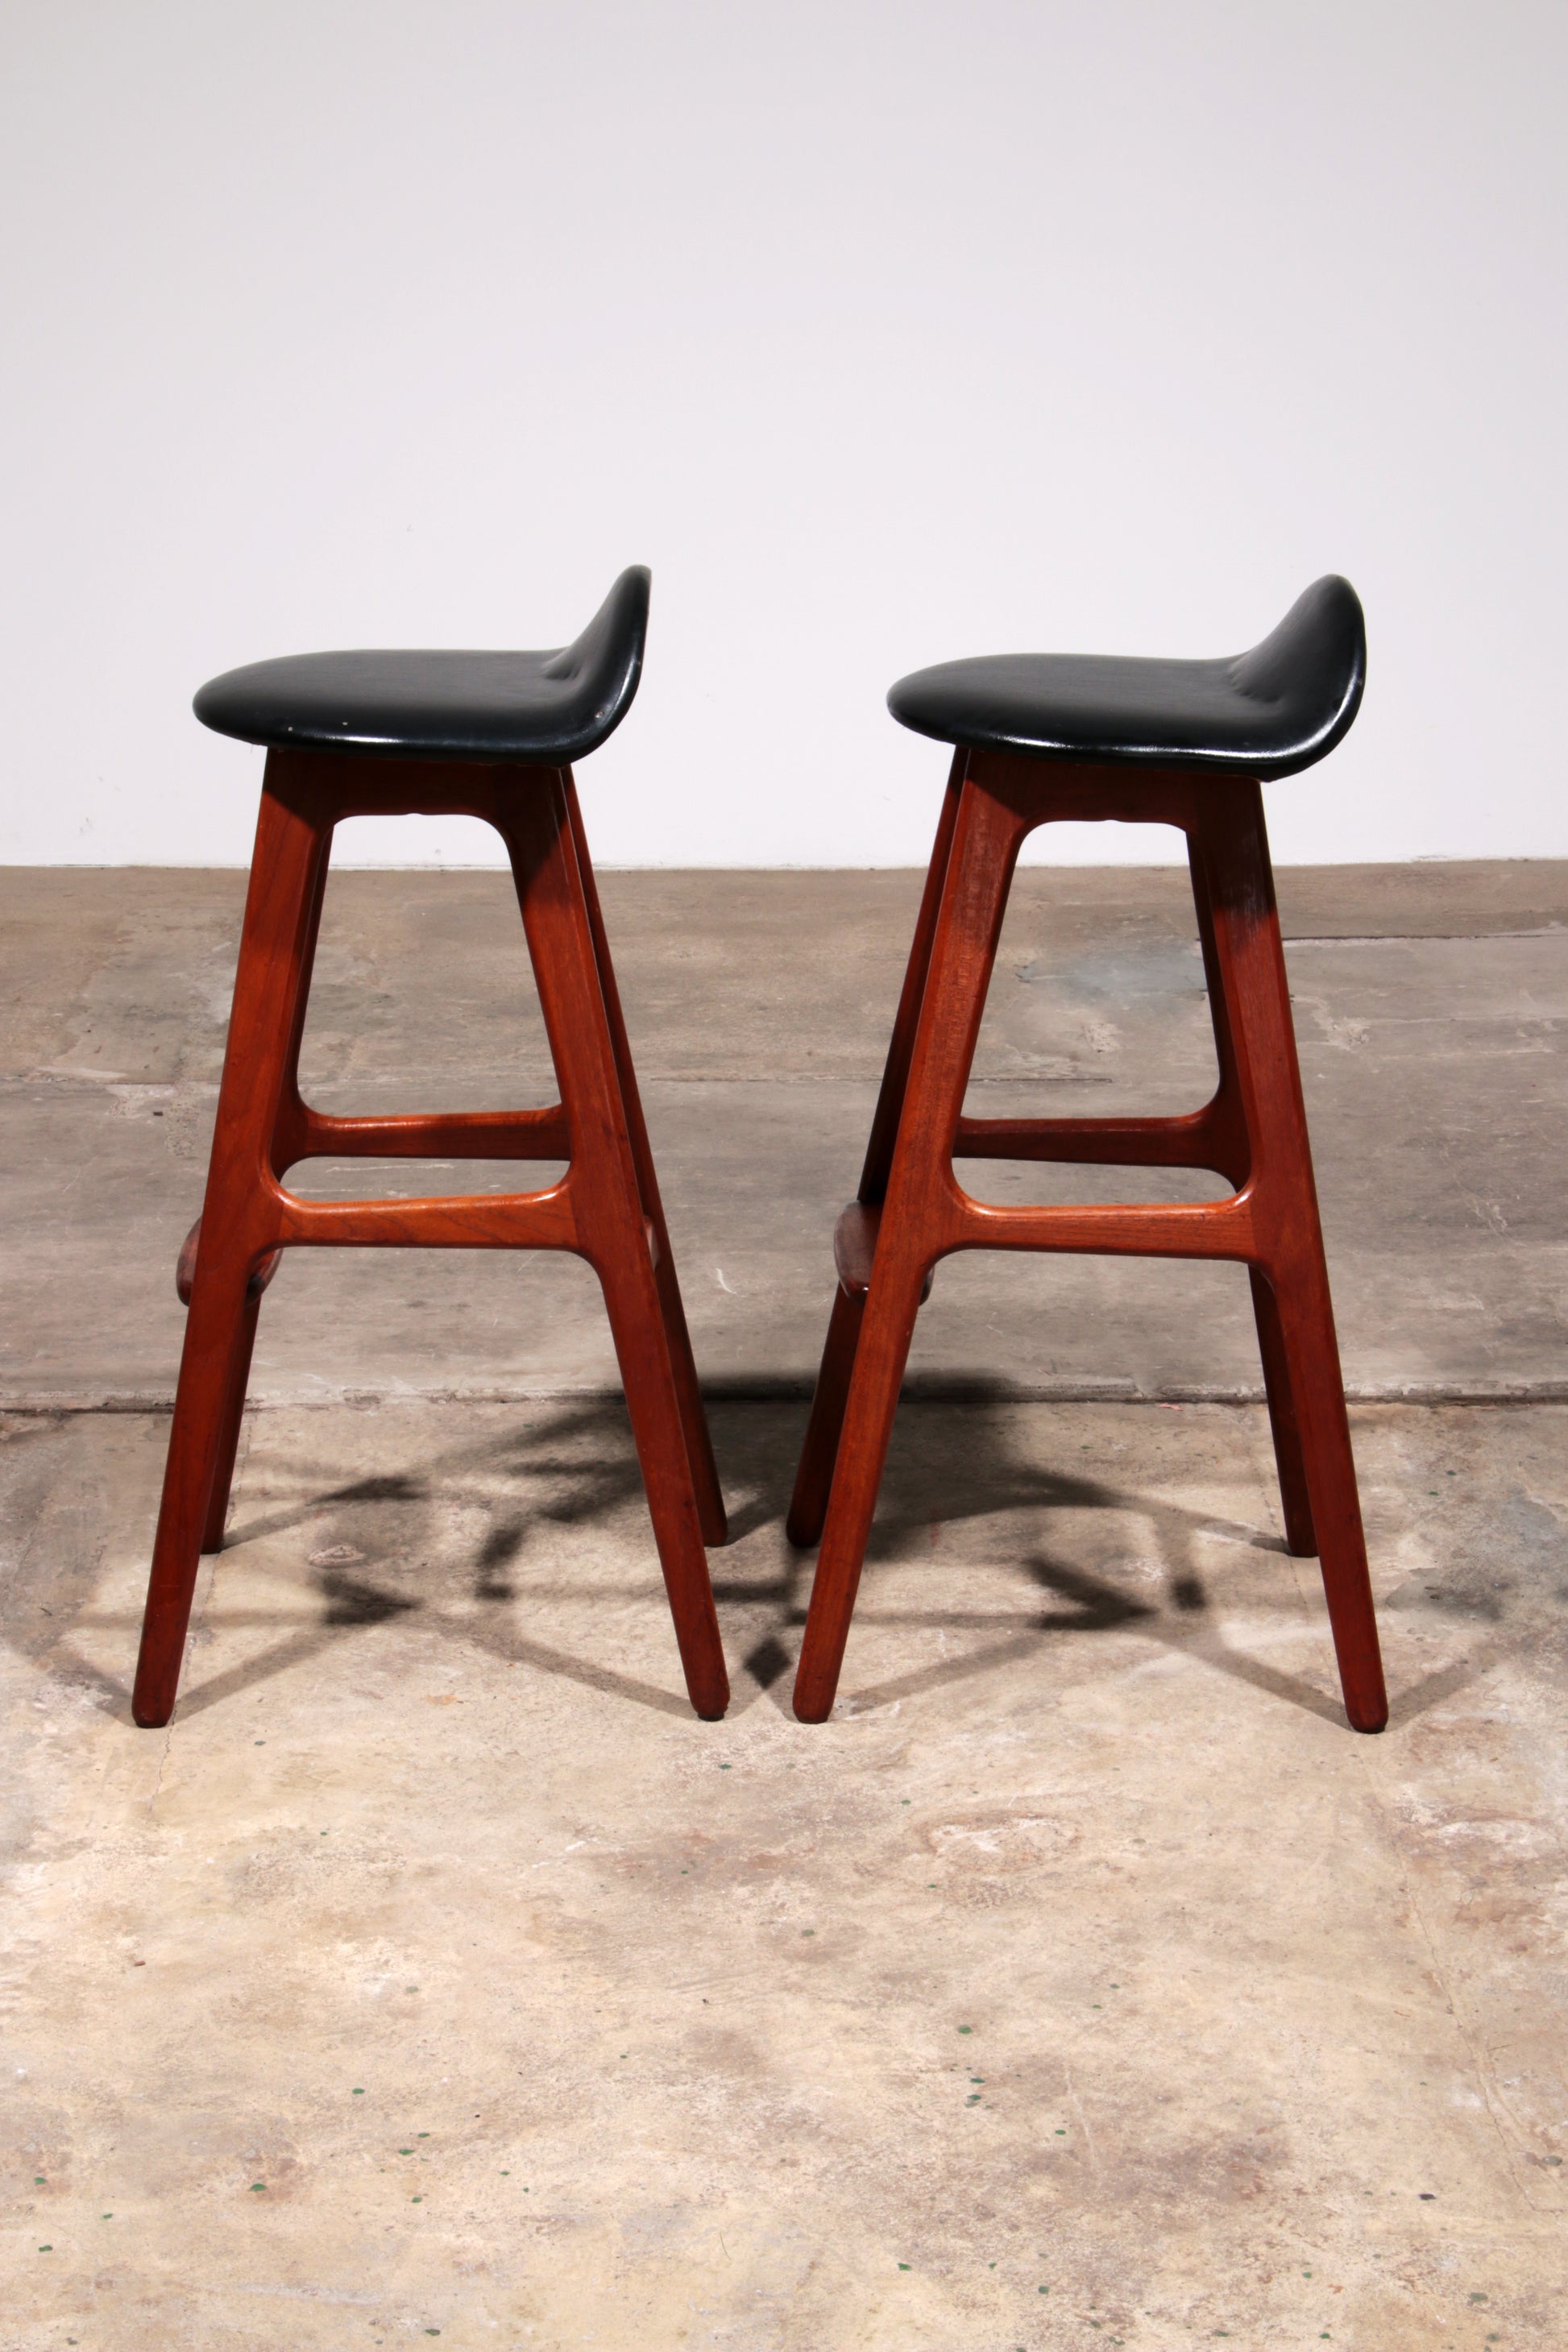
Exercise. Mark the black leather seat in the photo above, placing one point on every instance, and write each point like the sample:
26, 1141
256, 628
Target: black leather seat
1263, 713
545, 709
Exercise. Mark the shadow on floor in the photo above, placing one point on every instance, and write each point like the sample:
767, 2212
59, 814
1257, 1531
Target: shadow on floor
453, 1541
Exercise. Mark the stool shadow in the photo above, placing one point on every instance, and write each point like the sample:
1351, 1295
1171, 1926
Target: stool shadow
952, 1463
583, 1449
372, 1533
381, 1556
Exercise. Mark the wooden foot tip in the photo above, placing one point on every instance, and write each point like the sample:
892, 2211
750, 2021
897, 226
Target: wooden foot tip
709, 1700
811, 1710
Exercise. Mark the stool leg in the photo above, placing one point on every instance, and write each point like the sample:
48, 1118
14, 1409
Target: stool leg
291, 849
1283, 1420
537, 827
825, 1425
973, 898
227, 1446
813, 1479
1235, 853
642, 1352
202, 1401
693, 1418
1311, 1352
1300, 1534
245, 1342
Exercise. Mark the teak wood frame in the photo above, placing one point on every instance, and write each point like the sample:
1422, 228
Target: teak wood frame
606, 1207
912, 1210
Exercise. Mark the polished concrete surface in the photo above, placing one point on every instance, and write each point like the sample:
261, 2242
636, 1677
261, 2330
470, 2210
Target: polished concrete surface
1084, 1982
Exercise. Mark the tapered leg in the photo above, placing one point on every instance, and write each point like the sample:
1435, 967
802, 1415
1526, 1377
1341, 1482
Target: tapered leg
291, 847
814, 1476
1301, 1535
233, 1416
244, 1339
653, 1403
239, 1374
1311, 1351
892, 1304
537, 827
201, 1403
969, 921
693, 1417
911, 997
1252, 977
1234, 1151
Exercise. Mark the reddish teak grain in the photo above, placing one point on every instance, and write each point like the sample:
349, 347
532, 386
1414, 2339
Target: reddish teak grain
606, 1207
910, 1210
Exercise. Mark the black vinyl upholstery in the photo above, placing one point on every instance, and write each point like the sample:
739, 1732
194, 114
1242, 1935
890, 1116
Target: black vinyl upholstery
542, 708
1264, 713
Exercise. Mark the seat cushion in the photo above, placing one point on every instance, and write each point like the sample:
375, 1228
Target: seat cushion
545, 709
1263, 713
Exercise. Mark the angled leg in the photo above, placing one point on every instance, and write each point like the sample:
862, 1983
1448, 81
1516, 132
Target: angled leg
814, 1478
911, 997
814, 1475
239, 1374
237, 1228
973, 898
1310, 1349
233, 1419
1250, 960
534, 819
245, 1340
693, 1418
1283, 1420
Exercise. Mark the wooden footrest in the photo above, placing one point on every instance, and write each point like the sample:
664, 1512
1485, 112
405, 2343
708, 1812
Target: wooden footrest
185, 1269
854, 1249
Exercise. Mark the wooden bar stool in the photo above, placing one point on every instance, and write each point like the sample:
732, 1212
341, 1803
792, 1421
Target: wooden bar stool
1043, 737
477, 734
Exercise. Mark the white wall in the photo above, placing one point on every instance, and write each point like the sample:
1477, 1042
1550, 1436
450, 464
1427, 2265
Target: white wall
884, 333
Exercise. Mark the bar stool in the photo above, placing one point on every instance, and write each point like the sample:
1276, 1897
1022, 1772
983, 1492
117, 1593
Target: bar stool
489, 735
1044, 737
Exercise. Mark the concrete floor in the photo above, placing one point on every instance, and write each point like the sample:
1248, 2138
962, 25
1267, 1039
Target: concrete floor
1085, 1981
1430, 1002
